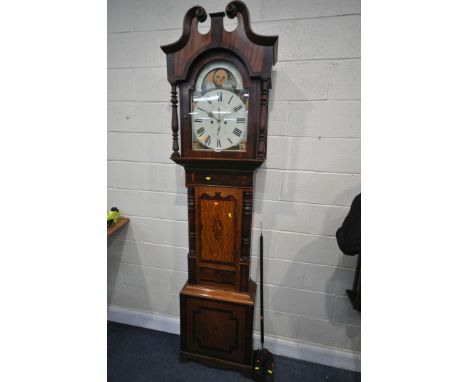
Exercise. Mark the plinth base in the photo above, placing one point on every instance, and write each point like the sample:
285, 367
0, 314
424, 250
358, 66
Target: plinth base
217, 326
246, 370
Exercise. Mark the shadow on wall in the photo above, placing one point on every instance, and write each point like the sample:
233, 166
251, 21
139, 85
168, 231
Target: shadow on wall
123, 286
144, 275
307, 276
341, 312
115, 249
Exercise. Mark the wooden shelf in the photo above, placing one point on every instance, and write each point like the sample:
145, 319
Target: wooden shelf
121, 223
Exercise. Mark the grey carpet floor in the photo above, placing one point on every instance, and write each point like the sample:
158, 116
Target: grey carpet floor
142, 355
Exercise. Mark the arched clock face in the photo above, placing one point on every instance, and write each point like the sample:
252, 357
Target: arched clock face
219, 110
220, 122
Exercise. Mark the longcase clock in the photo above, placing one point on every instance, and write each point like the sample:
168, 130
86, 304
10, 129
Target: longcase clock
223, 79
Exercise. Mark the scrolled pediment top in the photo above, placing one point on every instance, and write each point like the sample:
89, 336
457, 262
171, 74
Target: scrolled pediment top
238, 7
257, 52
195, 12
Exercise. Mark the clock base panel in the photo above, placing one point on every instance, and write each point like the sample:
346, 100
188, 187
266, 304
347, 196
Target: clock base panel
217, 326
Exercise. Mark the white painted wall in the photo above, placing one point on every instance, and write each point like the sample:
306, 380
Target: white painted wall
302, 193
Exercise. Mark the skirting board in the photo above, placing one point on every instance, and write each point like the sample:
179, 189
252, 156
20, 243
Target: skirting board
307, 352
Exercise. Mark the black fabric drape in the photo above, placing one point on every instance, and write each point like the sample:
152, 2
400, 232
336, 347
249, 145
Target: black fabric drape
348, 235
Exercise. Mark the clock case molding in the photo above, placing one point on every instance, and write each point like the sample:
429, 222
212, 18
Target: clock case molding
217, 302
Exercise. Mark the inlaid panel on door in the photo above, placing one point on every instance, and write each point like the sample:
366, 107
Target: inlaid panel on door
217, 329
218, 223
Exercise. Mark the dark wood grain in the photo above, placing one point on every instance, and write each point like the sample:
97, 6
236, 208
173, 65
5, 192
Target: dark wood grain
239, 9
246, 232
174, 123
218, 177
192, 261
194, 12
215, 293
262, 130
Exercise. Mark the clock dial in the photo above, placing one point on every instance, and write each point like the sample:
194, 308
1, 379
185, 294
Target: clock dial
219, 113
219, 120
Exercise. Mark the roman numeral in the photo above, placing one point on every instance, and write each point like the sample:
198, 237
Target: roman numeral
237, 132
208, 139
199, 120
229, 140
237, 108
230, 99
209, 101
218, 143
220, 96
240, 120
200, 131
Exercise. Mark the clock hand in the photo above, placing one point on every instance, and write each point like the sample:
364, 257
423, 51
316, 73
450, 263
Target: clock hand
210, 114
219, 120
217, 117
221, 115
